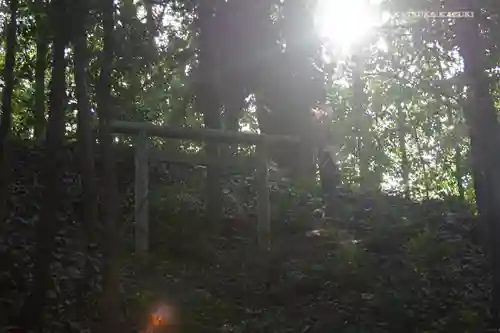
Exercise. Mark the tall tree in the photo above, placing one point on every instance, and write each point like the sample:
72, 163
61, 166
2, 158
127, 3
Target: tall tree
42, 46
482, 120
207, 98
234, 64
304, 85
46, 227
84, 129
109, 307
150, 24
423, 162
8, 73
6, 119
89, 207
363, 129
405, 164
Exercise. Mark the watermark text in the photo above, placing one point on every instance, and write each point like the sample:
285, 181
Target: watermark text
437, 15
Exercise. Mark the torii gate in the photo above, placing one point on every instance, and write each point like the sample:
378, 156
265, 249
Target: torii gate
143, 155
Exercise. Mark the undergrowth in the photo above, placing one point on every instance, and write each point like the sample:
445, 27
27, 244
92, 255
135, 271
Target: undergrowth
376, 263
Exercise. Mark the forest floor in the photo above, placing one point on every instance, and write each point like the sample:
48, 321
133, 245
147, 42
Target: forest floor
378, 264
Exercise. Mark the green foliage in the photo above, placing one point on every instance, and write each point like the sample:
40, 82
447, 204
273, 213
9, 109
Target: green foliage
155, 80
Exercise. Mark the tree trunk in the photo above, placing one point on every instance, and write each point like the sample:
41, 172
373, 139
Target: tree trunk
84, 118
303, 87
459, 173
481, 117
423, 163
130, 22
42, 47
6, 120
207, 102
8, 73
359, 105
233, 63
89, 206
478, 179
110, 300
405, 164
457, 155
47, 226
150, 23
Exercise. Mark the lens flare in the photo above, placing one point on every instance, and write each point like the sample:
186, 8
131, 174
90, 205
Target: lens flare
163, 316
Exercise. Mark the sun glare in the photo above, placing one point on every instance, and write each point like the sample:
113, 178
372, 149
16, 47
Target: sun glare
345, 23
